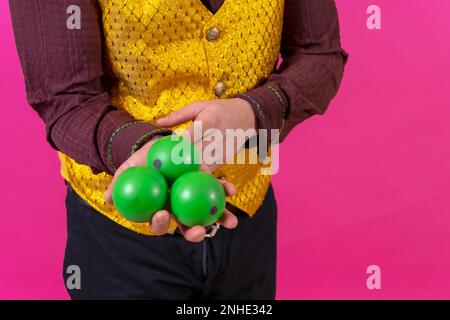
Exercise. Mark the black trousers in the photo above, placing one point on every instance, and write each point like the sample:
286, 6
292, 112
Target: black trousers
116, 263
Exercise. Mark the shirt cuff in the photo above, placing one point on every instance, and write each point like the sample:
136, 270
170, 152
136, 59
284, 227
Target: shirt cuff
128, 138
270, 105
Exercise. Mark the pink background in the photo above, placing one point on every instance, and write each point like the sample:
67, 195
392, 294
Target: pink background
366, 184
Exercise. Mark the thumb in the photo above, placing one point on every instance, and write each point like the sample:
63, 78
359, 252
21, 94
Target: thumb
183, 115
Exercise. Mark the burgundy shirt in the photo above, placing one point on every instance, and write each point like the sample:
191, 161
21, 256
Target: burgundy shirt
63, 75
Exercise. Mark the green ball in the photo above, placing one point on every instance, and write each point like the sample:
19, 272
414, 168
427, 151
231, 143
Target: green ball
173, 156
140, 192
197, 198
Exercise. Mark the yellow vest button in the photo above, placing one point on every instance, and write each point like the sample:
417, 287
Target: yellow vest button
213, 34
220, 88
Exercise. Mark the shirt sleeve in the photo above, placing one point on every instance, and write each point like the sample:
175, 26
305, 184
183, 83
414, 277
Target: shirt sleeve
312, 68
63, 76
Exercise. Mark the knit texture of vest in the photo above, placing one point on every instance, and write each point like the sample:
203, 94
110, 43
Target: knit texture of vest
162, 55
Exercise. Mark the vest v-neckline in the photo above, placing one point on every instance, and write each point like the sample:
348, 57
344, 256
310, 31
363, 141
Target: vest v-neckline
205, 8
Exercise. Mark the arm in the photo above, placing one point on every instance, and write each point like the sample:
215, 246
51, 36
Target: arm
311, 71
63, 70
63, 73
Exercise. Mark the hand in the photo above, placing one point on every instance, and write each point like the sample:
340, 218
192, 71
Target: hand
160, 221
221, 115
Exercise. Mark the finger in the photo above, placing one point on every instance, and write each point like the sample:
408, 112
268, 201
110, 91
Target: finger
213, 149
228, 220
188, 133
230, 188
160, 221
198, 132
108, 195
206, 157
193, 234
181, 116
205, 168
206, 165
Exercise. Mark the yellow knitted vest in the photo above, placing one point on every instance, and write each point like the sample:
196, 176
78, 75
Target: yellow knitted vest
162, 55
